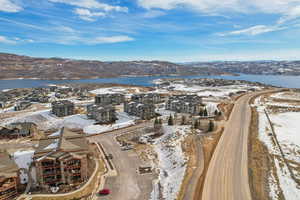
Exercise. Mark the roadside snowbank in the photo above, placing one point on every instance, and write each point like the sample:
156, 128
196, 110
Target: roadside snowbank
171, 163
286, 127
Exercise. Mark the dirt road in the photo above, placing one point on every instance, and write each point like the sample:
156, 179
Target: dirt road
227, 175
197, 171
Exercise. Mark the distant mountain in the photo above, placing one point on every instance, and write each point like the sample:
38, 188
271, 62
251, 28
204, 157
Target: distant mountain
14, 66
267, 67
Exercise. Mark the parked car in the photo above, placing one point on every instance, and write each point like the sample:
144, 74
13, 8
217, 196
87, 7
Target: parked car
104, 192
127, 148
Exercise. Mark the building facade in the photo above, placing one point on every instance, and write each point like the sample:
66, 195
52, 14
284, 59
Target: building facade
143, 111
18, 129
62, 161
102, 114
22, 105
148, 98
109, 99
63, 108
191, 104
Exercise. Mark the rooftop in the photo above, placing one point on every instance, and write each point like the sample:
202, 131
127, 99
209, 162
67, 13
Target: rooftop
8, 167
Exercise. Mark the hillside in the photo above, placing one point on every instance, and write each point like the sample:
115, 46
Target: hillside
254, 67
15, 66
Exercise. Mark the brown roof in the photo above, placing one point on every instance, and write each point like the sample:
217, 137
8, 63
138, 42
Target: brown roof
8, 167
66, 141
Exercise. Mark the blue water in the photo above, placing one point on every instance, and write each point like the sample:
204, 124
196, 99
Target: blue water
276, 80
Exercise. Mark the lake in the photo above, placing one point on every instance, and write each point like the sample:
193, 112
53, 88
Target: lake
276, 80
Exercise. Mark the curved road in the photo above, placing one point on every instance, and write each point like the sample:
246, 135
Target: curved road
227, 175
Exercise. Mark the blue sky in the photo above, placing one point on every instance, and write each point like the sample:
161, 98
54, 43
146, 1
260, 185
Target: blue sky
174, 30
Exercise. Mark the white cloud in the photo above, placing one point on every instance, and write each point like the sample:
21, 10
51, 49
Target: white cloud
65, 29
153, 14
5, 40
292, 14
88, 15
80, 39
266, 6
254, 30
110, 39
205, 6
9, 6
14, 40
92, 4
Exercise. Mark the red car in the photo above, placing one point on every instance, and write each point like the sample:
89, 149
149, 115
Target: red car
104, 192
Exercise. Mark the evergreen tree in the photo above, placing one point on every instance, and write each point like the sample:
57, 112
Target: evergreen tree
211, 126
196, 124
170, 121
205, 113
201, 113
216, 112
156, 121
183, 120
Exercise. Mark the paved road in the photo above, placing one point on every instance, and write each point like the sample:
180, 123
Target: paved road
227, 175
128, 184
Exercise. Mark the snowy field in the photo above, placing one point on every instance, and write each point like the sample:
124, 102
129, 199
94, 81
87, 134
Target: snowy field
47, 121
124, 120
113, 90
287, 95
171, 163
222, 91
287, 128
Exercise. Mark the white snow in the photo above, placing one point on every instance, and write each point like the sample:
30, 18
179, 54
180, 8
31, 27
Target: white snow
113, 90
289, 187
211, 108
287, 128
124, 120
5, 110
171, 163
46, 121
23, 159
221, 91
53, 145
286, 95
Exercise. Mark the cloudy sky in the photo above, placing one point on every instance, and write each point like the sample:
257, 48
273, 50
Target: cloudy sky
174, 30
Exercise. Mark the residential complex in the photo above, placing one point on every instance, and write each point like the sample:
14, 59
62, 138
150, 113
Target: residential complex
191, 104
144, 111
63, 108
62, 161
102, 114
109, 99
